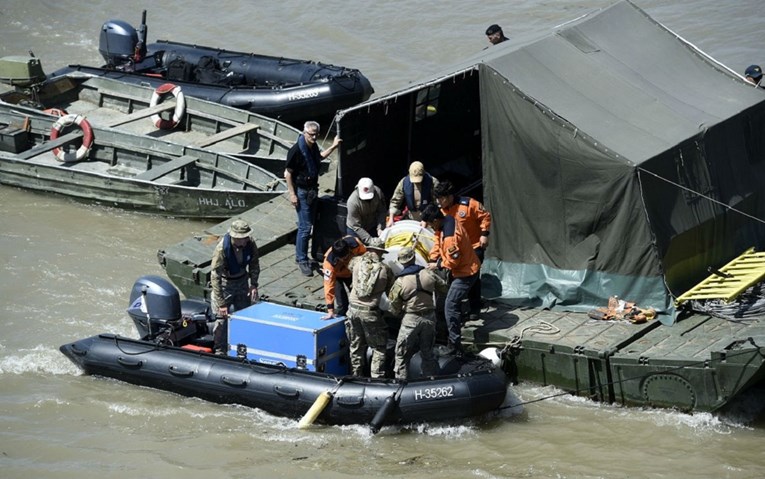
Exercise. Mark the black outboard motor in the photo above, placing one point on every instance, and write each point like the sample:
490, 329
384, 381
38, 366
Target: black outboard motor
117, 43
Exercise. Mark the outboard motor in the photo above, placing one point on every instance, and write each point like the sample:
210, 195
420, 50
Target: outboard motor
160, 315
117, 43
154, 302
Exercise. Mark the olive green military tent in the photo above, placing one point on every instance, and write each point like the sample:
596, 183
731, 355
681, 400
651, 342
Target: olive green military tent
615, 157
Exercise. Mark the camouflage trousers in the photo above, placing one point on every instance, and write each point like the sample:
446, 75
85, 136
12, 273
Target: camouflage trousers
366, 328
238, 294
417, 333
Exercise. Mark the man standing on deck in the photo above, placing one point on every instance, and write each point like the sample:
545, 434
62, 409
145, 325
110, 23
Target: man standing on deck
234, 278
452, 251
302, 175
476, 222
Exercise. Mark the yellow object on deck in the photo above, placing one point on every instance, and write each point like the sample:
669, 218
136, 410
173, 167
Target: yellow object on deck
729, 281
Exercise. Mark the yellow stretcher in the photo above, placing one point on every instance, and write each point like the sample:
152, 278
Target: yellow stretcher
730, 280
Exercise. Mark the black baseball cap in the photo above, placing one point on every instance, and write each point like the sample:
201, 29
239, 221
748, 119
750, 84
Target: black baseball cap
493, 29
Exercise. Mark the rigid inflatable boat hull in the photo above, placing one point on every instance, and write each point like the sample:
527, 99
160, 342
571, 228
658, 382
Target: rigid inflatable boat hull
291, 392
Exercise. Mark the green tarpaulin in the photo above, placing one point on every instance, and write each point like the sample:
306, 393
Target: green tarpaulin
616, 159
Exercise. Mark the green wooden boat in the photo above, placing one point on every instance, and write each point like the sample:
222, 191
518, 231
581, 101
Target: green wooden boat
139, 109
67, 155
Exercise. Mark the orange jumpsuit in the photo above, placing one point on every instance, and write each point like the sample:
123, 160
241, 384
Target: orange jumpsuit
472, 216
335, 268
453, 247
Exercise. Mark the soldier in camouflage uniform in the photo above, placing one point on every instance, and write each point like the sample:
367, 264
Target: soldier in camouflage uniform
364, 324
234, 277
412, 293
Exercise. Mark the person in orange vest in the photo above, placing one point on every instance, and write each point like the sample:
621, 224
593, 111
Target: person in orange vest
335, 268
452, 251
476, 221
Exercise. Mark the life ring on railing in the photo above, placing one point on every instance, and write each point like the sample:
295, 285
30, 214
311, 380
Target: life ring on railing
180, 106
87, 137
55, 111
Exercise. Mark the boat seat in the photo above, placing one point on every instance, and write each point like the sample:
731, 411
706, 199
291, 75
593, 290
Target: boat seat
226, 134
165, 168
144, 113
50, 145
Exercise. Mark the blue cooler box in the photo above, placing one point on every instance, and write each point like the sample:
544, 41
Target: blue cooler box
292, 337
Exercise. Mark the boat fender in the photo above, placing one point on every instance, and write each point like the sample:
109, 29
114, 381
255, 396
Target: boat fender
87, 139
376, 423
318, 406
180, 105
492, 354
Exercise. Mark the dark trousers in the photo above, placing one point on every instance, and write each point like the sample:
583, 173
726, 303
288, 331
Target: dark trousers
342, 286
458, 291
474, 296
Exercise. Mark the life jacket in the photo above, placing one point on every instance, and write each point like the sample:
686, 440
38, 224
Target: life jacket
425, 192
234, 267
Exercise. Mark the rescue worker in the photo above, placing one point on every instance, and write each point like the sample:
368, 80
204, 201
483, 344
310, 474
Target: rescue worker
302, 176
476, 221
364, 324
413, 192
412, 293
452, 251
366, 209
335, 269
234, 277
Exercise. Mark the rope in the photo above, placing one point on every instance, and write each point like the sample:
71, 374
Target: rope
542, 328
705, 362
702, 195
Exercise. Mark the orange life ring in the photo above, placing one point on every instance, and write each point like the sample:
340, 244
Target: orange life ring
55, 112
87, 137
180, 106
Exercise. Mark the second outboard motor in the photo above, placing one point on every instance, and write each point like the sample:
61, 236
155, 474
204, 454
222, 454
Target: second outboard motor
154, 302
117, 42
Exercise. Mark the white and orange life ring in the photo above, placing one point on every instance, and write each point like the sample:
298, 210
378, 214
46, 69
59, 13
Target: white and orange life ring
180, 106
87, 137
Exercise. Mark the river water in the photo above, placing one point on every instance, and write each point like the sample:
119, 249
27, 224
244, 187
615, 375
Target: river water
67, 270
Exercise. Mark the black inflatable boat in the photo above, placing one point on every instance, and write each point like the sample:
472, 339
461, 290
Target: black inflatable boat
175, 355
287, 89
